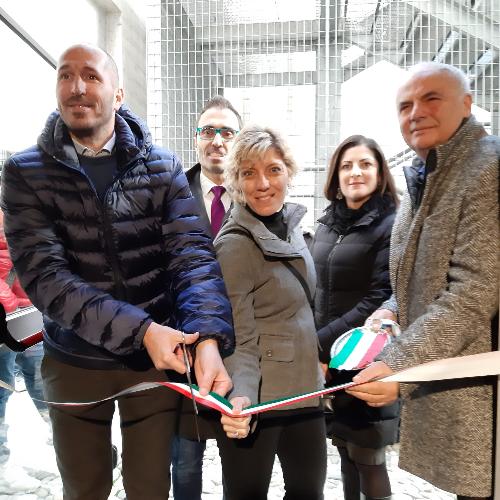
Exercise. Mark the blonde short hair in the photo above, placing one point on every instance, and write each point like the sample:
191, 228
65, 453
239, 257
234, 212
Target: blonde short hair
251, 144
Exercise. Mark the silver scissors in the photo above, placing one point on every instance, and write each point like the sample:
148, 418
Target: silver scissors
190, 383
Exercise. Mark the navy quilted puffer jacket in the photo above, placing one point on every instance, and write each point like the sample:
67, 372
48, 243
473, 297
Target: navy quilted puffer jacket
101, 271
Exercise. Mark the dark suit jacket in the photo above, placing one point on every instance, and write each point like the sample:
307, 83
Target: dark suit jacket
193, 177
207, 419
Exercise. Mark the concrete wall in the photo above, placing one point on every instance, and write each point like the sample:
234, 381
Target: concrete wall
122, 32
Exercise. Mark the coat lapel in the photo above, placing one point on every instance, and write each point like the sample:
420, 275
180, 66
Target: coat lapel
195, 186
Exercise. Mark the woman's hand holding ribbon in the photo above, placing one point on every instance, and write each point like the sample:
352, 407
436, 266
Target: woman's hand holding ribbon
237, 427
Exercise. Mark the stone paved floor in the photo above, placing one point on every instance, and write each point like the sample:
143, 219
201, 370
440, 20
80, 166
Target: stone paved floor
31, 472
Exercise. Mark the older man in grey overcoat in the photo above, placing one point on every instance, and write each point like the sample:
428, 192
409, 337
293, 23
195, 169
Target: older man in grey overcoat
444, 272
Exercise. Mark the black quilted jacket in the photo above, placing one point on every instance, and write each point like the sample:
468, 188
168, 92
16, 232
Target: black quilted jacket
102, 271
353, 270
352, 265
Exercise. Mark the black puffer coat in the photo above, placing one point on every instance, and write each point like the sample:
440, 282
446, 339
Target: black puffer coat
102, 271
353, 269
352, 266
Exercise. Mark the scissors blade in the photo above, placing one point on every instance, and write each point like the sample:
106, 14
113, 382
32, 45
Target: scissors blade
190, 383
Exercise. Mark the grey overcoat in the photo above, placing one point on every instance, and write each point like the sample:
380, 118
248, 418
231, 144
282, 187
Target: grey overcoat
444, 273
276, 351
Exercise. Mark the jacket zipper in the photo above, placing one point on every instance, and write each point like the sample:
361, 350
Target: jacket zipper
117, 278
339, 239
108, 226
337, 242
121, 292
335, 245
330, 257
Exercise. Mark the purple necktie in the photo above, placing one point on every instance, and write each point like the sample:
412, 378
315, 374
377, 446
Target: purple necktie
217, 210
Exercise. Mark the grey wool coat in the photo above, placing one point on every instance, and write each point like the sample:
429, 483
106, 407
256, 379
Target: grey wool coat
444, 273
276, 351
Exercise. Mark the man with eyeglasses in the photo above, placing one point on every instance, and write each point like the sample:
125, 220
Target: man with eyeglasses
218, 124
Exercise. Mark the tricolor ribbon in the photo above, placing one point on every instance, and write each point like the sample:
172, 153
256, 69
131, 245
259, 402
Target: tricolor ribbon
475, 365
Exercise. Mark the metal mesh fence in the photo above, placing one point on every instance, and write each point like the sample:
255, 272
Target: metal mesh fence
318, 70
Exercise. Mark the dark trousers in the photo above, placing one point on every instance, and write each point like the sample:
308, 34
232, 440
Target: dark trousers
82, 434
298, 438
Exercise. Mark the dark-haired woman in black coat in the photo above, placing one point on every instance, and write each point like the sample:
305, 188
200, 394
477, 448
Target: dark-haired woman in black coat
351, 255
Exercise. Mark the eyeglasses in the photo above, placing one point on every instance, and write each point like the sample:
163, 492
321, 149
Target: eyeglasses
208, 133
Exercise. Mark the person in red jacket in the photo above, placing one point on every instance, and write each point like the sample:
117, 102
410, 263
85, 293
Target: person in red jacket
27, 363
12, 295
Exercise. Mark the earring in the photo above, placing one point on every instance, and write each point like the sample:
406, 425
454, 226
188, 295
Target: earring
339, 194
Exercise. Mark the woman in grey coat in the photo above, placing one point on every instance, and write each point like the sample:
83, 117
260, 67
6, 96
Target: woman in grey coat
276, 351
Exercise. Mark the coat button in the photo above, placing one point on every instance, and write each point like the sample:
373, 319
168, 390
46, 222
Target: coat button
269, 353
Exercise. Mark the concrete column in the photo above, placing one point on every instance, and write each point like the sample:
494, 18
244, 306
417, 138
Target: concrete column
328, 96
188, 79
122, 33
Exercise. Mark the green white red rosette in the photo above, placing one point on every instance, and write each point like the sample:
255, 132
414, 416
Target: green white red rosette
357, 348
